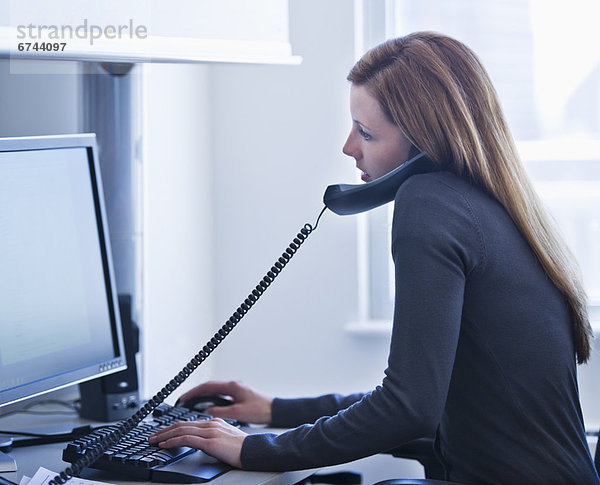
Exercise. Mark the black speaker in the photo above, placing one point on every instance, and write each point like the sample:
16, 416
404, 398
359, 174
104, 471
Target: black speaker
116, 396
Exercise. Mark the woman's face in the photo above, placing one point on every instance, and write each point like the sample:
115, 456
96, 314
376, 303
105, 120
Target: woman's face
377, 145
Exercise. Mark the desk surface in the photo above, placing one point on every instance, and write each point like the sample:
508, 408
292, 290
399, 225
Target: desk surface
29, 459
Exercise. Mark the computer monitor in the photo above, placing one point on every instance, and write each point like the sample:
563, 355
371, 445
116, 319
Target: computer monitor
59, 313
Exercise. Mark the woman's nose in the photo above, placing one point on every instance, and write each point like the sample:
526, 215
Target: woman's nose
349, 147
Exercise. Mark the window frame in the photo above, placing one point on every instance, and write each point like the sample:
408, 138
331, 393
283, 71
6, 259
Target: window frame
375, 21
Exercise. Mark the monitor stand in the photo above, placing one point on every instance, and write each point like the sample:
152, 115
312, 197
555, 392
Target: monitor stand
7, 462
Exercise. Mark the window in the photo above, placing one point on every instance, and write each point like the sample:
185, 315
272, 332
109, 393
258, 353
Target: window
543, 59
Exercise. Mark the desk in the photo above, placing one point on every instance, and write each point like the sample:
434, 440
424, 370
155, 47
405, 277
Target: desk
29, 459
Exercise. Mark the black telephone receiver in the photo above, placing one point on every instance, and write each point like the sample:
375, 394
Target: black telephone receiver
342, 199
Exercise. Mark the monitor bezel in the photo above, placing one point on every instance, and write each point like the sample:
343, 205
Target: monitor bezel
109, 366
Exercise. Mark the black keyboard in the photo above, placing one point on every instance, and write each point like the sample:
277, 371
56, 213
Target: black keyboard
134, 457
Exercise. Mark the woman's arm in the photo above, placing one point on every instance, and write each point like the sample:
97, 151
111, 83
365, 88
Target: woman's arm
436, 244
289, 413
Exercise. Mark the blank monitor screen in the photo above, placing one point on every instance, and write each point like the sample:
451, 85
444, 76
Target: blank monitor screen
59, 318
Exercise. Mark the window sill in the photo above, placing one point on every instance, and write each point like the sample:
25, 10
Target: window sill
382, 328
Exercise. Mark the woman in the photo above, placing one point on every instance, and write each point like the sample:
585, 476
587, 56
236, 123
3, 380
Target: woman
490, 315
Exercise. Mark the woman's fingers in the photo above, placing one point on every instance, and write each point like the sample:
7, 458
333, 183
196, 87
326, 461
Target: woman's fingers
203, 428
229, 388
233, 411
248, 405
215, 437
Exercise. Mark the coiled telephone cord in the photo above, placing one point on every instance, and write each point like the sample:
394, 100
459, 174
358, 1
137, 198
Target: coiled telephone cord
128, 424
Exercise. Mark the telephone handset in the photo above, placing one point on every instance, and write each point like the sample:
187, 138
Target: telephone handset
347, 199
341, 199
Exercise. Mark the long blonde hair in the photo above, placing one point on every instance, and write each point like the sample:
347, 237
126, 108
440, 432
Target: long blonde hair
437, 91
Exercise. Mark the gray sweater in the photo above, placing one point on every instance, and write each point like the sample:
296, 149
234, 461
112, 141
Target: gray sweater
481, 355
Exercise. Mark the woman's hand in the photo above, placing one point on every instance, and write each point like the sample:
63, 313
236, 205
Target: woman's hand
215, 437
248, 405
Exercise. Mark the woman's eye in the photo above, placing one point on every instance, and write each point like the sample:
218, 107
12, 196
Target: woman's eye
364, 134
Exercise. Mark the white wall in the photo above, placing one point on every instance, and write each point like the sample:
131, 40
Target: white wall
278, 134
178, 252
237, 159
38, 104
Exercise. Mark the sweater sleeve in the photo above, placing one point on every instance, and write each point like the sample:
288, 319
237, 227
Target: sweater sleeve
435, 245
289, 413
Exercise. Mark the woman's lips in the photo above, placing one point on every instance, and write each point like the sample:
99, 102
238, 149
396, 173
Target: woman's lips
365, 177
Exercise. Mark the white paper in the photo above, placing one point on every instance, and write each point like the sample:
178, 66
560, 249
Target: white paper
24, 480
43, 476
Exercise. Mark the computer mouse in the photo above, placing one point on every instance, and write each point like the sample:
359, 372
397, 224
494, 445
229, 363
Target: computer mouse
200, 403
